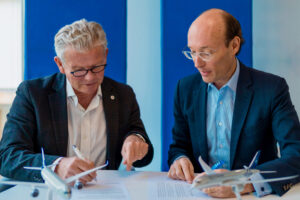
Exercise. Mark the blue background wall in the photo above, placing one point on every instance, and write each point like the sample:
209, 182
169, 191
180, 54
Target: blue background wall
44, 18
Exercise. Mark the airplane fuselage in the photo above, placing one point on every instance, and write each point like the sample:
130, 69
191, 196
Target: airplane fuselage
226, 178
56, 183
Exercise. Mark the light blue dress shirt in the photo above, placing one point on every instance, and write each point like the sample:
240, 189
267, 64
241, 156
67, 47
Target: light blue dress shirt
220, 106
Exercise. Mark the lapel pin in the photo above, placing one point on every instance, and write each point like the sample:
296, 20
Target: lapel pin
112, 97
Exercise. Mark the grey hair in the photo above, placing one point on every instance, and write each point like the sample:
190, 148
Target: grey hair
80, 35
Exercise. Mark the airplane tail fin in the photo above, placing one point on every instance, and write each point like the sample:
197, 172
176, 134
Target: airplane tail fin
254, 161
205, 166
43, 163
43, 158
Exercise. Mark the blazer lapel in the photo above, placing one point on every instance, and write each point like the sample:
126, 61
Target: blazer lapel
111, 110
199, 136
59, 114
243, 99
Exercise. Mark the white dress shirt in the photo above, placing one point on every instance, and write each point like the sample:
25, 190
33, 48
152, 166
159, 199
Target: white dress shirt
87, 128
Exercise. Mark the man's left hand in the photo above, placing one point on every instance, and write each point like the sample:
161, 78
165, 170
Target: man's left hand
134, 148
224, 191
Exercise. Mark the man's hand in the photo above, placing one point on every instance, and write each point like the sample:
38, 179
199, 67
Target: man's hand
71, 166
182, 169
134, 148
224, 191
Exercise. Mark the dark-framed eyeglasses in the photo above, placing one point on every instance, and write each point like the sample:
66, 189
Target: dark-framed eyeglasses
83, 72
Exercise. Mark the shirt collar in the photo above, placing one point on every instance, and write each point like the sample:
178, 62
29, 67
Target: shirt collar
232, 83
72, 95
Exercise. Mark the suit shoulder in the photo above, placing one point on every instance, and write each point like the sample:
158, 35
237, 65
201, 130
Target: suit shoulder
117, 85
264, 78
190, 81
43, 82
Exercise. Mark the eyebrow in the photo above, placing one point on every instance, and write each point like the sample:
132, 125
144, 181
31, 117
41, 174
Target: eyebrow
201, 48
75, 68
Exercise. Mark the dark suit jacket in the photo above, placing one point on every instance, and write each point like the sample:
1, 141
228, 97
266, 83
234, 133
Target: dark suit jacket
263, 115
38, 118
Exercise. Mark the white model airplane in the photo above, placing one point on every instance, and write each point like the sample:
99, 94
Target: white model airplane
52, 181
235, 178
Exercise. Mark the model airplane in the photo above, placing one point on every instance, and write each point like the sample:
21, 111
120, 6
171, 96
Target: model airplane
235, 178
52, 181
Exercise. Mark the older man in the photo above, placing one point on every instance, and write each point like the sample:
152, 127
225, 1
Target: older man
78, 106
228, 111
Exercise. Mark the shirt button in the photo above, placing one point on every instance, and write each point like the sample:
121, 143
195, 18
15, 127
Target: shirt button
220, 124
221, 102
221, 146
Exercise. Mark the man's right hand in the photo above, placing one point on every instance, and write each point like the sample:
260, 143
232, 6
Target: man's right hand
182, 169
70, 166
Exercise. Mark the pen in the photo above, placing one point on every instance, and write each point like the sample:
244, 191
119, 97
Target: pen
78, 185
217, 165
77, 152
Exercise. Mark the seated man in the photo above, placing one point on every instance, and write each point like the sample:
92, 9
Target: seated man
78, 106
228, 111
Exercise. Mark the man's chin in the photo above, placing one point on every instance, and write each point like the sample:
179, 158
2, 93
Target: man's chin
206, 80
88, 90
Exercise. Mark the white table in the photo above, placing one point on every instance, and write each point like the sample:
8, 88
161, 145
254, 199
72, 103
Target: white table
137, 184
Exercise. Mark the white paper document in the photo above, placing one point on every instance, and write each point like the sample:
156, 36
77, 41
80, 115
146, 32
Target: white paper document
177, 190
110, 191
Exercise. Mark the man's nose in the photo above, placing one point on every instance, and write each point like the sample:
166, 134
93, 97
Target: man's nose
198, 62
89, 75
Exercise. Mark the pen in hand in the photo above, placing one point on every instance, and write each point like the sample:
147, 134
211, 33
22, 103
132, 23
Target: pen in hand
77, 152
78, 185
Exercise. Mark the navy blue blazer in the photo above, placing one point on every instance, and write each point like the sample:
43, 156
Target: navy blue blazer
263, 115
38, 118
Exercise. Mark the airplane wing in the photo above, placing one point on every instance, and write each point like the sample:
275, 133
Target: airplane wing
77, 176
236, 182
274, 179
33, 184
205, 166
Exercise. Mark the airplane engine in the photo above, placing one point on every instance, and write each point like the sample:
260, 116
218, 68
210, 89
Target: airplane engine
35, 192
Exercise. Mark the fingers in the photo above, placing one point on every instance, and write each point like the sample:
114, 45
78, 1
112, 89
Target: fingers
248, 189
87, 165
182, 169
220, 192
128, 164
68, 167
134, 148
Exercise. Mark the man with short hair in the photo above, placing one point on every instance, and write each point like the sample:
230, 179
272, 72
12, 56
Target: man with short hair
229, 111
78, 106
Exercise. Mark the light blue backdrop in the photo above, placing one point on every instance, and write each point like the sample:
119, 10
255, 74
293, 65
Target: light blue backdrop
144, 67
276, 43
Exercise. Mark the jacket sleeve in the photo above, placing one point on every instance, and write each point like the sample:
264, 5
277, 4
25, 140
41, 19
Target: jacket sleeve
286, 130
181, 144
18, 144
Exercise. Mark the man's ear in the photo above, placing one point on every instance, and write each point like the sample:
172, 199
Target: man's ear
236, 44
59, 64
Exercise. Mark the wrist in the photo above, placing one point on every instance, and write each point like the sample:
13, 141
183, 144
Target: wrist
140, 137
